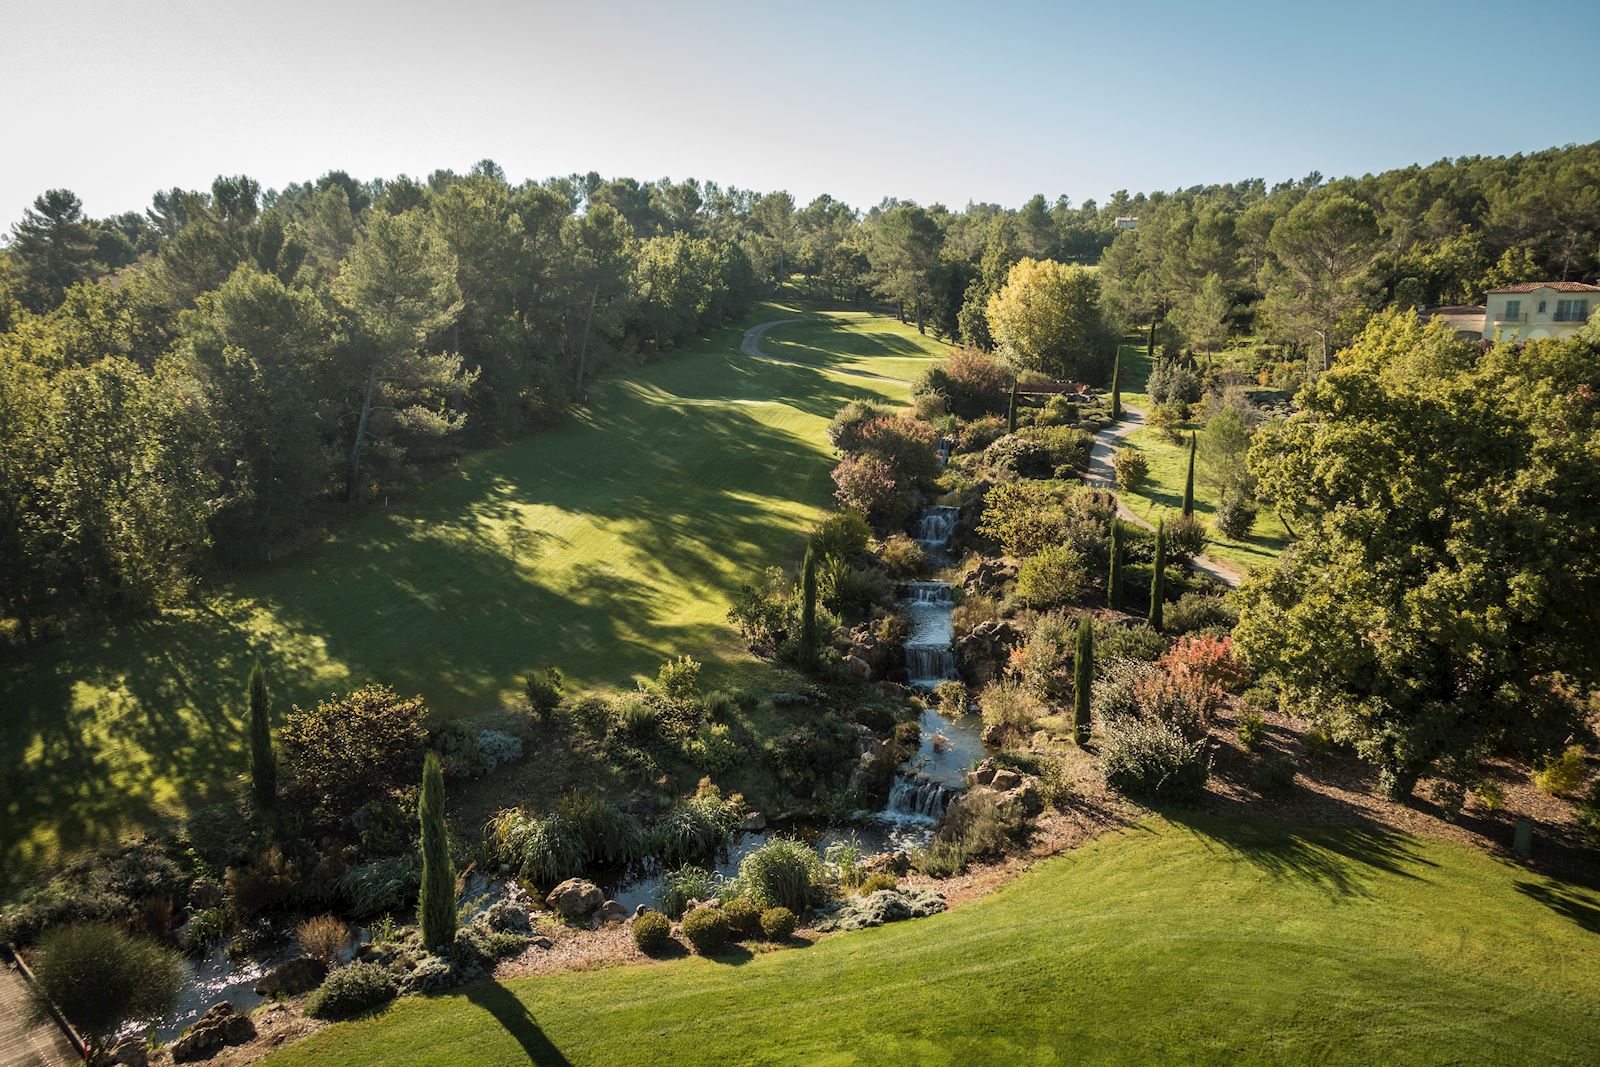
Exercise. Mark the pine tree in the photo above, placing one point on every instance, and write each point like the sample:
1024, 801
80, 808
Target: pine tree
1083, 680
436, 902
1188, 483
808, 611
1011, 412
1116, 387
1158, 576
263, 761
1114, 580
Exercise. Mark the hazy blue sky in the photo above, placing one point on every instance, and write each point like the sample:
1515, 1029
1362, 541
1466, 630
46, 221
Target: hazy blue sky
931, 101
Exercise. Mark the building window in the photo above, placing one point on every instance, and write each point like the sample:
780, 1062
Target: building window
1513, 311
1541, 307
1572, 310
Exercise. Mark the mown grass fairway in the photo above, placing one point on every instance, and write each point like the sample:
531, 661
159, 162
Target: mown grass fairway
1161, 496
602, 546
1207, 943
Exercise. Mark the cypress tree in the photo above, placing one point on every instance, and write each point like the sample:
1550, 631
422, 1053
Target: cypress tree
1083, 680
1158, 576
1011, 412
263, 761
808, 611
1114, 581
436, 902
1188, 483
1116, 387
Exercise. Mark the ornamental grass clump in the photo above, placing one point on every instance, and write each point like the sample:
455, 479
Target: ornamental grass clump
781, 873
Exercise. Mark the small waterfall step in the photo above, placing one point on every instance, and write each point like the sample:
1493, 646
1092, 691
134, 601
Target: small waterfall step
915, 797
936, 525
928, 592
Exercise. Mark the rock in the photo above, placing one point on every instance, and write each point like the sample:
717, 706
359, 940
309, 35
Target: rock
131, 1052
576, 898
508, 916
859, 668
293, 978
215, 1030
1027, 794
204, 893
640, 910
754, 823
1005, 781
611, 911
983, 773
541, 943
896, 863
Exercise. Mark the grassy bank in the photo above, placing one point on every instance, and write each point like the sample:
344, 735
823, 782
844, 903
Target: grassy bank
602, 546
1204, 943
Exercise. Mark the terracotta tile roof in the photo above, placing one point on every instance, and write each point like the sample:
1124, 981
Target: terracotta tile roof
1456, 309
1560, 287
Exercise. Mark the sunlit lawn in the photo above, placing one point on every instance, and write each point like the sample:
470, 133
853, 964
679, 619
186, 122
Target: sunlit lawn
853, 340
1215, 942
602, 546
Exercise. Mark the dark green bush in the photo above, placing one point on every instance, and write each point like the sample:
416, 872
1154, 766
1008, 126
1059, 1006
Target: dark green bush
977, 826
1186, 538
1019, 455
347, 750
744, 917
100, 975
543, 688
1199, 611
778, 924
381, 886
1235, 515
841, 535
652, 932
1252, 729
707, 929
1138, 642
1274, 772
352, 990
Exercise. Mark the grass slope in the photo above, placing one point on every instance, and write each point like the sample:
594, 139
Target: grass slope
602, 546
1161, 496
1207, 943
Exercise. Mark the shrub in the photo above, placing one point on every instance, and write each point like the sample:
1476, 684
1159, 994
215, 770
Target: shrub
781, 873
1186, 538
678, 680
1274, 772
652, 932
908, 446
1139, 641
1066, 446
1178, 698
764, 614
1056, 787
840, 535
1252, 729
845, 430
384, 885
972, 611
1563, 774
498, 748
1318, 743
1235, 515
951, 698
1171, 382
876, 881
101, 975
544, 850
707, 929
869, 485
807, 754
1130, 468
903, 556
351, 990
681, 885
324, 937
1009, 710
929, 407
1152, 759
1168, 420
713, 749
1116, 689
971, 382
543, 689
1019, 455
778, 924
633, 717
1210, 659
1490, 796
1589, 813
695, 828
744, 917
976, 826
1055, 576
348, 750
979, 434
1199, 611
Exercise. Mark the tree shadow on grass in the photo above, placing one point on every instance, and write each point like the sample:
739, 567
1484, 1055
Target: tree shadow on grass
1333, 858
518, 1021
1564, 900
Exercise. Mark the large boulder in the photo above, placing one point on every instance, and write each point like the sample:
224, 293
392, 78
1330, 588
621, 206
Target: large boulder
218, 1028
859, 668
576, 898
1005, 780
131, 1052
290, 979
611, 911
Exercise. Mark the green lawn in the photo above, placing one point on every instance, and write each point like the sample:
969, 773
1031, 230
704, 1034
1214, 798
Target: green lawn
1208, 943
1161, 496
1135, 371
602, 546
853, 340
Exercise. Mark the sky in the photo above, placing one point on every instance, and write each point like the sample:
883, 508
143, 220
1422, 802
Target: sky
989, 100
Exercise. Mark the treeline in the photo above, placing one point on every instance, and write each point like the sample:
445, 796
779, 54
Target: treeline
183, 388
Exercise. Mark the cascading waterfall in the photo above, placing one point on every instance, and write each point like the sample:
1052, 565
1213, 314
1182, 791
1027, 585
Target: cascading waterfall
935, 527
916, 797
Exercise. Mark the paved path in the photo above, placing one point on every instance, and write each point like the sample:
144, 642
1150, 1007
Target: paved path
750, 345
1100, 473
26, 1039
